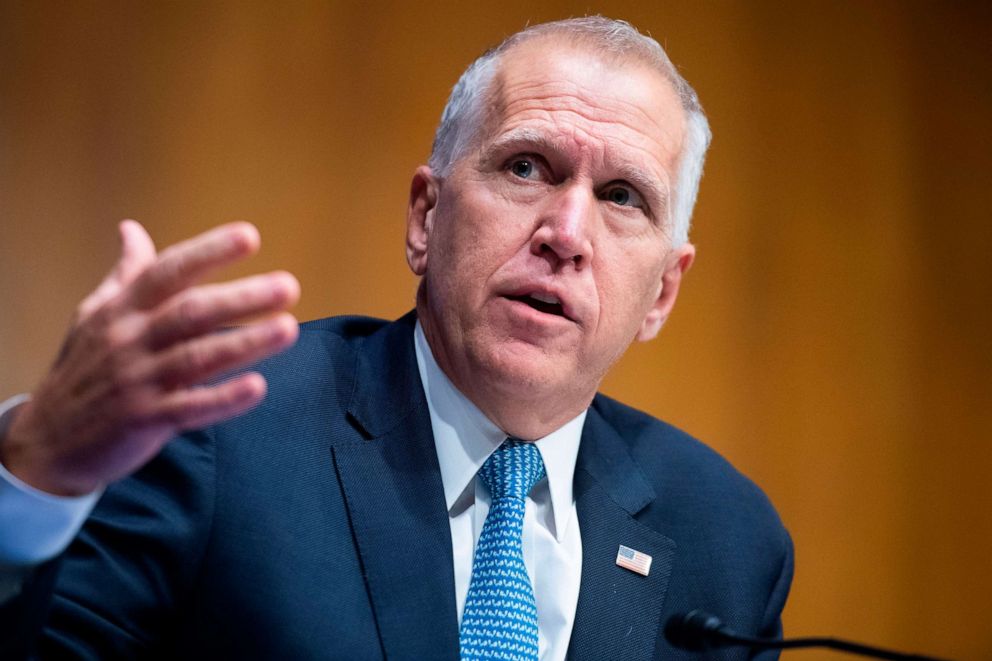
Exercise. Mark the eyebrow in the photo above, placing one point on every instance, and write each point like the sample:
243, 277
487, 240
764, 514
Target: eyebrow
522, 137
657, 192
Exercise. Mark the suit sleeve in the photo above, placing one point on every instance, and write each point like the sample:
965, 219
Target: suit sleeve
126, 576
34, 526
23, 611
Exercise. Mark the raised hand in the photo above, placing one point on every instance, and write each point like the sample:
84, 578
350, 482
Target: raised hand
141, 349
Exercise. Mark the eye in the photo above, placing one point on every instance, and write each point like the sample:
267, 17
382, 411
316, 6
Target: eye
522, 167
618, 196
623, 195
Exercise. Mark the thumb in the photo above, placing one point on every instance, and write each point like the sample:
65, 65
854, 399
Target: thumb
137, 253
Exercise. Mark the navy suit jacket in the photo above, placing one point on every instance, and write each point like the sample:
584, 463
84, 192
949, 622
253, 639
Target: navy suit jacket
315, 527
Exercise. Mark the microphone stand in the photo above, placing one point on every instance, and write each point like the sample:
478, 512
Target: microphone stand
697, 630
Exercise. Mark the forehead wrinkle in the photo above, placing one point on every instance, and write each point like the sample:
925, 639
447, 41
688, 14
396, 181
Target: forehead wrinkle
573, 98
598, 107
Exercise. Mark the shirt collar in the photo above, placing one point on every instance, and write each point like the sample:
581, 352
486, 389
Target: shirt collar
464, 438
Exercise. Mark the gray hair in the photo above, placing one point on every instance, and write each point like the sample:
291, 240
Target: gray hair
463, 114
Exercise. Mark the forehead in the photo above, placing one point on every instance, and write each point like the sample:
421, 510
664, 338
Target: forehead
609, 108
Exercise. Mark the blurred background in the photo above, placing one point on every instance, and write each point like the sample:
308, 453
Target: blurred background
834, 339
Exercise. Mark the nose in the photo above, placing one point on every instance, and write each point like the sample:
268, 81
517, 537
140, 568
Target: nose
564, 234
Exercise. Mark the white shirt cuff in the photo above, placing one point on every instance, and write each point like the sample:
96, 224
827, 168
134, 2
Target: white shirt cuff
35, 526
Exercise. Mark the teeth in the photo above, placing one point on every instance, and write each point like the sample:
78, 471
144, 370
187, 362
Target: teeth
545, 298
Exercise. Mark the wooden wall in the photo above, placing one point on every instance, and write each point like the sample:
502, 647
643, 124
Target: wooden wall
833, 339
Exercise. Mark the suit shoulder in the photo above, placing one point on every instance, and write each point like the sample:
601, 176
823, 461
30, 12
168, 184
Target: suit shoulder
348, 327
320, 367
654, 442
692, 480
322, 342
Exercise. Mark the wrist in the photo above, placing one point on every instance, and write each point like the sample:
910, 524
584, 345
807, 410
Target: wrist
22, 453
9, 410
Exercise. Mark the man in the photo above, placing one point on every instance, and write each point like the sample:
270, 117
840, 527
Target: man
354, 513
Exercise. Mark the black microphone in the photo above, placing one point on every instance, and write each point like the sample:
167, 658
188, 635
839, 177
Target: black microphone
697, 630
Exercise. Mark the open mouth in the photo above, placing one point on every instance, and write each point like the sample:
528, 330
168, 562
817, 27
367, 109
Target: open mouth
541, 303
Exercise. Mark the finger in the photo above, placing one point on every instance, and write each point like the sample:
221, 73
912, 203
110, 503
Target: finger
202, 309
183, 264
137, 250
137, 253
203, 406
198, 360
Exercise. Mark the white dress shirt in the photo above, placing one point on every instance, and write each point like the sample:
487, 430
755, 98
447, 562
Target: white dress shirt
464, 439
37, 526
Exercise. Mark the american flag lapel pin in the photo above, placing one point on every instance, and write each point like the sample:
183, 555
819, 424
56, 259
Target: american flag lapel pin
633, 560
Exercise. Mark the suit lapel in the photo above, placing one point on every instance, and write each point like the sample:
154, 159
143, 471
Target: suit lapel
619, 611
392, 486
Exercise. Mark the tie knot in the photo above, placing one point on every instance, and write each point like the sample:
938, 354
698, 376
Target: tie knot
513, 470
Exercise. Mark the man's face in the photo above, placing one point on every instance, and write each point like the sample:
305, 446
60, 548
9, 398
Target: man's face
547, 250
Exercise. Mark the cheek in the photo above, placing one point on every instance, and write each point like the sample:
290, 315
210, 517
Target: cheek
628, 291
465, 253
487, 234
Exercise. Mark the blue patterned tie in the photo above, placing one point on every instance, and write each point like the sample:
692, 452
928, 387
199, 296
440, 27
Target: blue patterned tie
500, 616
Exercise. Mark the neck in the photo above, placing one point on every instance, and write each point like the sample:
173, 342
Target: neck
523, 410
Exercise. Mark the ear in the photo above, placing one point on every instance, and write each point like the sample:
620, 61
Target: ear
419, 217
677, 263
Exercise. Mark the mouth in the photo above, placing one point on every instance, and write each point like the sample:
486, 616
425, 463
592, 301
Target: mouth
545, 303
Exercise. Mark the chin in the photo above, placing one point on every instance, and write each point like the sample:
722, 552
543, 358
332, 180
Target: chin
522, 370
